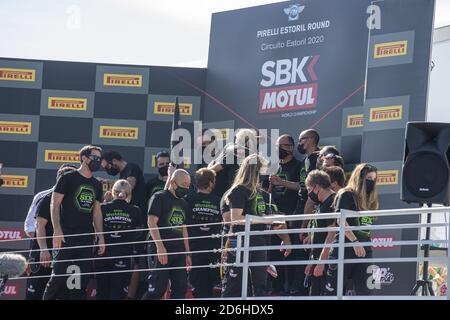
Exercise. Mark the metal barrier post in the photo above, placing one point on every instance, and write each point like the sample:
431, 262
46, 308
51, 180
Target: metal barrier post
238, 249
341, 256
246, 257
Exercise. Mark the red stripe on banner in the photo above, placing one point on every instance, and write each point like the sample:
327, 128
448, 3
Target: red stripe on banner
337, 106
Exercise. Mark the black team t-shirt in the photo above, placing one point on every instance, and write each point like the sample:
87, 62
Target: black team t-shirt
240, 199
77, 208
153, 185
43, 211
347, 201
225, 177
119, 215
203, 209
307, 165
224, 207
172, 213
138, 194
319, 237
286, 199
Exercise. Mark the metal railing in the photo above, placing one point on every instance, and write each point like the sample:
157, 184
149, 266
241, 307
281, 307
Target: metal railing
243, 247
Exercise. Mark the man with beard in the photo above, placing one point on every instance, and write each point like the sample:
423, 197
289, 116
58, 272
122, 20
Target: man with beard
75, 210
157, 183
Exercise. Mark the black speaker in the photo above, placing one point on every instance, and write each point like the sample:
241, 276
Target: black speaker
426, 171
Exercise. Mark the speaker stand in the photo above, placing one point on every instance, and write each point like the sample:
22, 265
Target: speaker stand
424, 283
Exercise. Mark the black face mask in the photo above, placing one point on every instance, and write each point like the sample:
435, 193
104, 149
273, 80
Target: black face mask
163, 171
283, 153
370, 186
301, 149
314, 197
180, 192
94, 165
112, 171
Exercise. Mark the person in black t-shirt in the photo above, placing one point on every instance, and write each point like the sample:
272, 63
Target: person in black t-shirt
247, 197
158, 183
360, 194
40, 257
75, 209
227, 163
308, 141
167, 221
114, 164
119, 216
319, 189
284, 187
204, 209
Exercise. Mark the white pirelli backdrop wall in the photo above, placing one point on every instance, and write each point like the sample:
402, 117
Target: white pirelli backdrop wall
439, 93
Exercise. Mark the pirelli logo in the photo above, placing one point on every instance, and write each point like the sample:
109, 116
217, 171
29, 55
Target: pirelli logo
390, 49
12, 181
122, 80
387, 177
169, 108
220, 134
186, 162
10, 127
60, 103
386, 113
10, 74
62, 156
110, 132
107, 185
355, 121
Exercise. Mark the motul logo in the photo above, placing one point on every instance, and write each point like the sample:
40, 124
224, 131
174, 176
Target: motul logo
11, 291
355, 121
382, 242
62, 156
27, 75
387, 177
391, 49
10, 181
11, 235
78, 104
122, 80
119, 132
291, 74
9, 127
169, 108
386, 113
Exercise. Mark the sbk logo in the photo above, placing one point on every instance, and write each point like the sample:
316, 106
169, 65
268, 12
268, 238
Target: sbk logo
286, 84
382, 242
11, 235
379, 276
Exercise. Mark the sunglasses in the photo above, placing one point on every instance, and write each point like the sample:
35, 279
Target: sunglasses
94, 157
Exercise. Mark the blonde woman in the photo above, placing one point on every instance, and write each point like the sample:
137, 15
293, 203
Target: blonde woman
360, 194
118, 215
247, 197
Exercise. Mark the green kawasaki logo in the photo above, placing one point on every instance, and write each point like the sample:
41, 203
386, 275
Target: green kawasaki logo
176, 217
85, 198
259, 205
